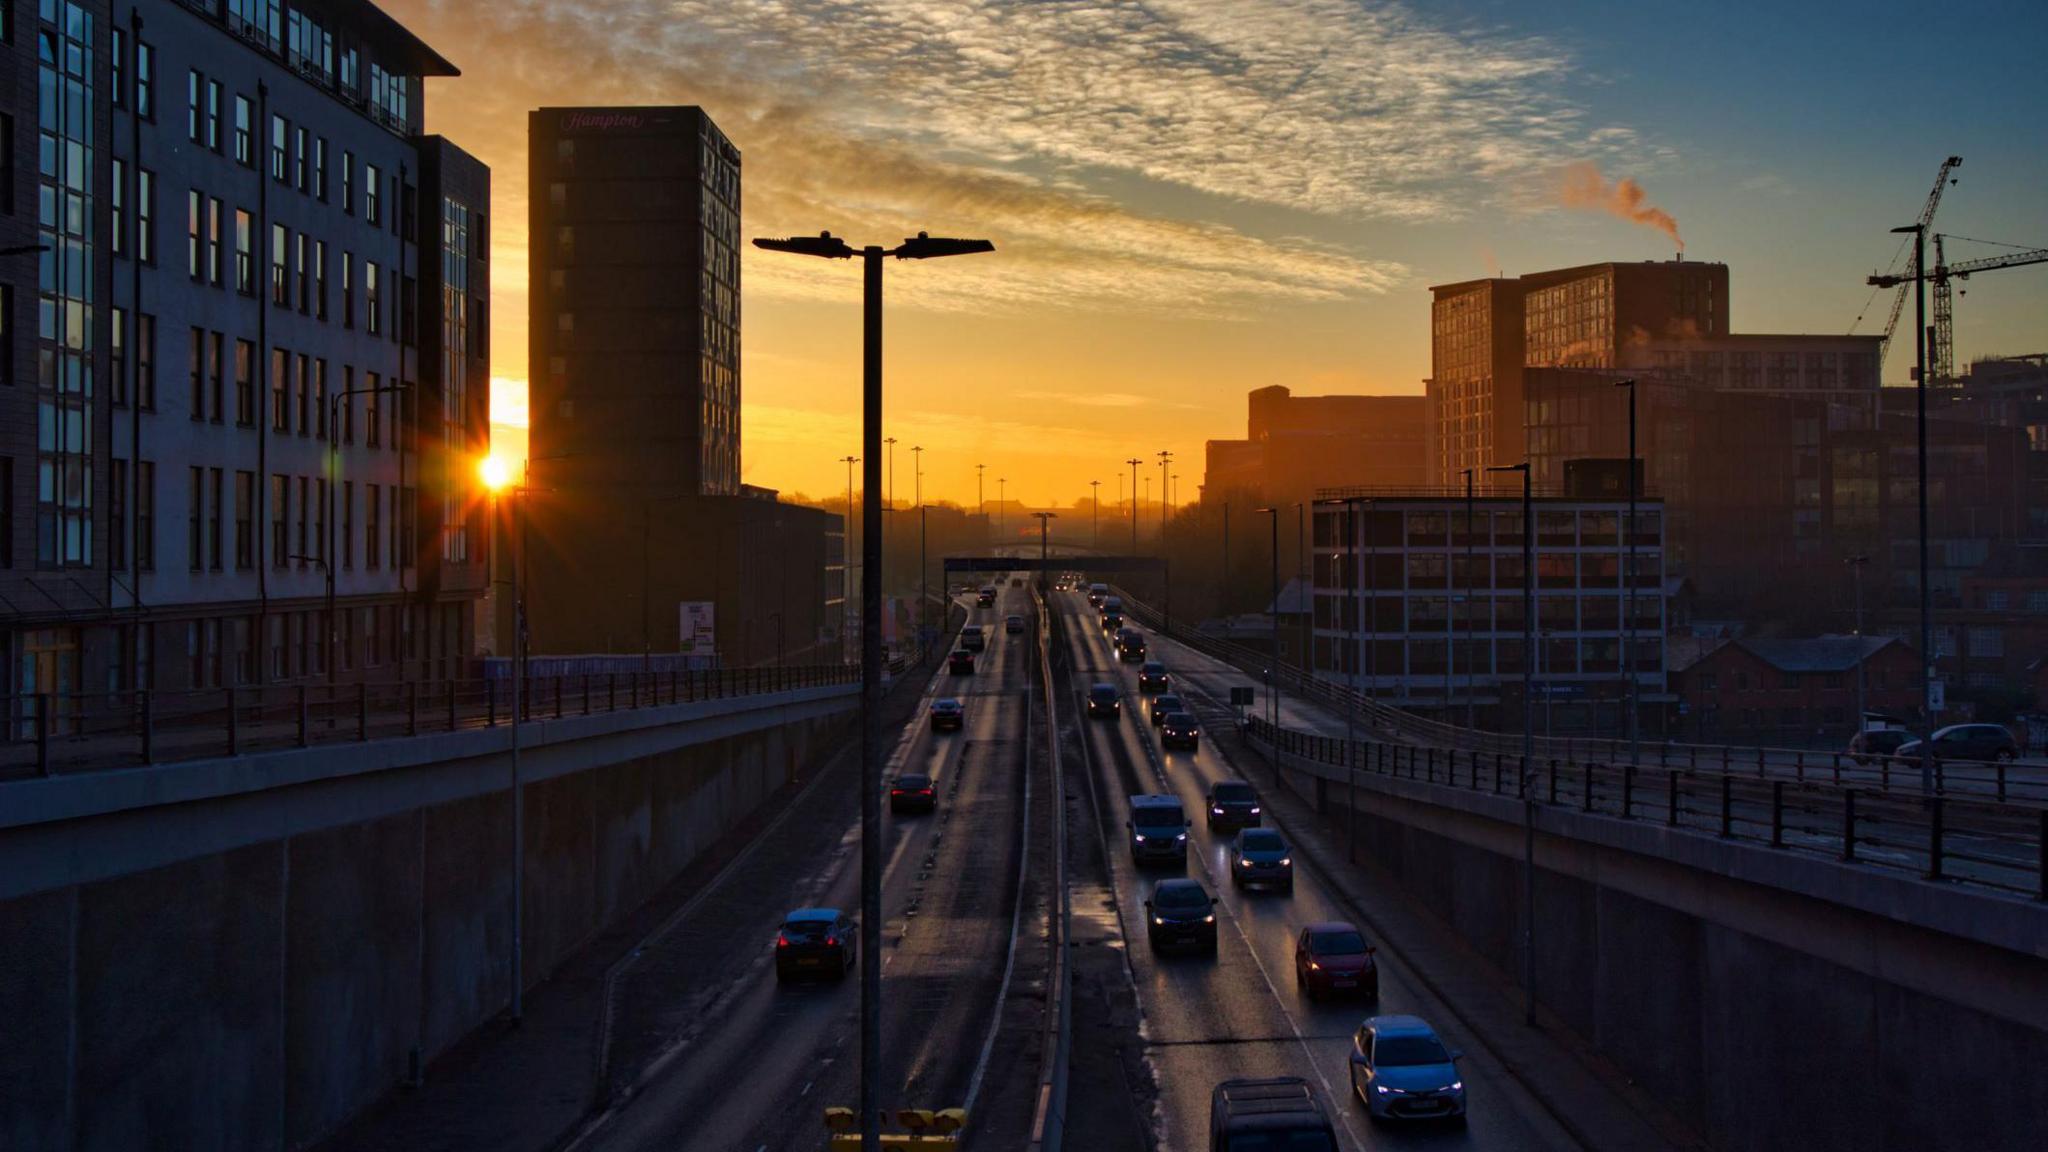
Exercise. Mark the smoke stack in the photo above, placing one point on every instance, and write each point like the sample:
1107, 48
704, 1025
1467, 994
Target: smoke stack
1584, 187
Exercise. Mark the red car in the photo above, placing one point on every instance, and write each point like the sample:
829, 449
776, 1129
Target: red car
912, 792
1333, 957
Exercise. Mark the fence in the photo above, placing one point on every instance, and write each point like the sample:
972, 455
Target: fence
1999, 779
52, 733
1980, 839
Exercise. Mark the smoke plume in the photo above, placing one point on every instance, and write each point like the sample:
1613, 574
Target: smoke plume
1584, 187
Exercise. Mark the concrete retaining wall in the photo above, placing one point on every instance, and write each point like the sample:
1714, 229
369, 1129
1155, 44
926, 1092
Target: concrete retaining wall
1767, 1015
255, 984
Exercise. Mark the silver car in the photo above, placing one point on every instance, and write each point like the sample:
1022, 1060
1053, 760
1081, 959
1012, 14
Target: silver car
1401, 1070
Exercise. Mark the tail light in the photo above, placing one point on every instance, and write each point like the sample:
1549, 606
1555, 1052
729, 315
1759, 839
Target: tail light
831, 941
924, 791
781, 941
895, 791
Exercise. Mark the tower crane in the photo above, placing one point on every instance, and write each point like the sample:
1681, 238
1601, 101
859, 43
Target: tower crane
1941, 357
1941, 182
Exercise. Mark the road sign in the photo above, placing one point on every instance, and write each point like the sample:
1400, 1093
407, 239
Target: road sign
695, 623
1241, 696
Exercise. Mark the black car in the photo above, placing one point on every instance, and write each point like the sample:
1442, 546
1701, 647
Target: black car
814, 942
1111, 621
1873, 745
1180, 915
1281, 1113
1179, 731
1160, 707
1013, 624
913, 792
986, 596
1152, 677
1104, 701
1233, 804
1966, 742
961, 662
1130, 645
947, 712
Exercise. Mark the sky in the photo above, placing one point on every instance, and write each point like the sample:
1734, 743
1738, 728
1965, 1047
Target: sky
1191, 199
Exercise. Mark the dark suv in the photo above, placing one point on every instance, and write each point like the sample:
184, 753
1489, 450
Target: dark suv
1282, 1113
1233, 804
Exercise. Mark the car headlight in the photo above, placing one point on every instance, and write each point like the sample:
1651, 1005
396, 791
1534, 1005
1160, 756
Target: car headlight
1255, 809
1382, 1089
1457, 1085
1209, 919
1138, 836
1160, 921
1244, 861
1180, 836
1216, 810
1287, 861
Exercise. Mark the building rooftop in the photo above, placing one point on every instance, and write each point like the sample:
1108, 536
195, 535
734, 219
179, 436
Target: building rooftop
1818, 654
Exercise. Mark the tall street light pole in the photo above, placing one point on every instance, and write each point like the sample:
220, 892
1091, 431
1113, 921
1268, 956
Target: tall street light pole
1528, 742
1165, 500
1301, 574
1002, 507
1628, 586
920, 247
980, 496
1273, 610
1045, 520
1856, 564
846, 565
917, 487
1134, 462
1471, 585
1919, 232
497, 478
1095, 512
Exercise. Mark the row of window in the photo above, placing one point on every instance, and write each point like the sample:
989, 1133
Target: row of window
219, 651
1874, 679
211, 507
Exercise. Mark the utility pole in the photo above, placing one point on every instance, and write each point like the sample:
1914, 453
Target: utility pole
1095, 512
980, 499
1002, 507
846, 567
1628, 586
1471, 585
917, 488
1528, 742
1134, 462
1856, 564
1919, 232
1273, 610
1301, 575
1045, 520
1165, 500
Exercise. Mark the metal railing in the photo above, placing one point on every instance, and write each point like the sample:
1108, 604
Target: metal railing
1996, 780
1976, 839
49, 733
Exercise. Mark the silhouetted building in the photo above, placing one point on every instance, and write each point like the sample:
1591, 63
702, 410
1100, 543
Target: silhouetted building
1296, 444
1792, 692
261, 356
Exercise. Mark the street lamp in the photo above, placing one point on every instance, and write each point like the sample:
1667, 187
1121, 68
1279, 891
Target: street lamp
923, 246
1165, 498
496, 473
1856, 564
1002, 507
1095, 512
846, 561
1471, 585
1273, 610
1528, 742
1628, 586
1045, 520
1919, 232
1134, 462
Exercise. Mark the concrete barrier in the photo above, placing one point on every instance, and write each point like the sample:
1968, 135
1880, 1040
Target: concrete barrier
243, 953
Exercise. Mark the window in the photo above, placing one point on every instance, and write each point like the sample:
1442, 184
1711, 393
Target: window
373, 522
301, 163
195, 363
1707, 682
348, 290
145, 81
305, 518
195, 229
245, 383
117, 356
280, 148
212, 140
245, 528
299, 393
195, 512
401, 526
117, 514
280, 273
370, 298
145, 361
372, 201
347, 399
320, 520
245, 153
216, 351
119, 72
320, 398
320, 279
117, 239
348, 182
373, 413
213, 222
348, 524
280, 403
305, 272
145, 518
320, 168
195, 88
280, 519
245, 260
145, 215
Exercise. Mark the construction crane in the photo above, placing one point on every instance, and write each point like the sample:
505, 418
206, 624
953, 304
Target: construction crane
1941, 182
1941, 357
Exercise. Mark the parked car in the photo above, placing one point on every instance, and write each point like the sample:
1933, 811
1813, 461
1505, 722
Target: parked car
913, 792
1333, 957
1152, 677
1267, 1115
1401, 1070
960, 663
1180, 731
1261, 856
1871, 746
814, 942
1103, 701
1180, 915
1233, 804
1966, 742
948, 713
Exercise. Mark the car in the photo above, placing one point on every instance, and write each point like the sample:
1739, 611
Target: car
1103, 701
973, 638
1111, 621
1113, 604
1152, 677
948, 713
1261, 856
912, 792
1400, 1069
1181, 915
1158, 826
1013, 624
986, 596
1965, 742
1874, 744
1158, 706
1130, 645
814, 942
1332, 957
1180, 731
1097, 593
1232, 804
1283, 1112
961, 662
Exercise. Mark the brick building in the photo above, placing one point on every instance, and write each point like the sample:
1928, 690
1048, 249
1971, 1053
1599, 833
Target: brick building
1792, 693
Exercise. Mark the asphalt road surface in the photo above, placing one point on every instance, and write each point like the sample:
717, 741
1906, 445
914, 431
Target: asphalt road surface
762, 1061
1239, 1013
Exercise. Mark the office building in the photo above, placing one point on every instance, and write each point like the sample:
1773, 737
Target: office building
1412, 608
260, 364
1294, 445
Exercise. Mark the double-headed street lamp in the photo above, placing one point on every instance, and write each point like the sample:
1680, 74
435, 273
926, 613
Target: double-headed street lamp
923, 246
1528, 741
1045, 520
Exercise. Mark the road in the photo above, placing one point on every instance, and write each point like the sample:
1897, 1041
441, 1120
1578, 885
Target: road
760, 1061
1240, 1014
